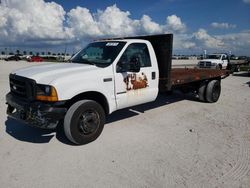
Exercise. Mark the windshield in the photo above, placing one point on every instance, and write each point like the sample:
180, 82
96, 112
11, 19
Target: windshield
214, 56
99, 53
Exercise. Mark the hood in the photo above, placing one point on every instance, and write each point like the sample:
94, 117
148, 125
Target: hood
45, 74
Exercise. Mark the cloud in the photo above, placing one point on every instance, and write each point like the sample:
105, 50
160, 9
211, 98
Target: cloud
31, 20
81, 23
113, 22
175, 24
236, 42
183, 42
206, 40
40, 22
223, 25
109, 22
246, 1
188, 45
148, 26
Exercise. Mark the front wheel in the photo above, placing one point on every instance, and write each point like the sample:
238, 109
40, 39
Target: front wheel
219, 67
84, 122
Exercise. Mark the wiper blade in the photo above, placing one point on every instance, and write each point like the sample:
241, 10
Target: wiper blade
83, 61
88, 62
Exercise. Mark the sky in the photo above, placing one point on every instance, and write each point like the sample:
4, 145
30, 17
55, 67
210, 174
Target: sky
197, 25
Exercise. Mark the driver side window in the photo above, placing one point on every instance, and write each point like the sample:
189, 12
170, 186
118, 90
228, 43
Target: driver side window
137, 52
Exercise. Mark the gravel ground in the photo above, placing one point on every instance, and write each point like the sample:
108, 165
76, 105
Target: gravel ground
173, 142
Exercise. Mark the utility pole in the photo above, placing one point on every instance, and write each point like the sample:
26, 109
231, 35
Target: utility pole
6, 52
205, 54
65, 50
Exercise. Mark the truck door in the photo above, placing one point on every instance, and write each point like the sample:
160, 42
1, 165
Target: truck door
224, 61
133, 88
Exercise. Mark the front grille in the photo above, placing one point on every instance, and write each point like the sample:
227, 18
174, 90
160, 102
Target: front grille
22, 87
18, 87
205, 64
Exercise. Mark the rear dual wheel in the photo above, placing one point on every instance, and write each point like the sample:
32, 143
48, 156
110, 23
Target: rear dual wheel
210, 92
202, 91
213, 91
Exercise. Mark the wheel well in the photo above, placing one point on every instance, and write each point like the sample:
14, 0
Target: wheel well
92, 95
220, 66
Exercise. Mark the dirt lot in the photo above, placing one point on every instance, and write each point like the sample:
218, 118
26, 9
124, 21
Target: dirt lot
174, 142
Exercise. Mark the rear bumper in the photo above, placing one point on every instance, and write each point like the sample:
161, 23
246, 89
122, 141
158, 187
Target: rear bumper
38, 114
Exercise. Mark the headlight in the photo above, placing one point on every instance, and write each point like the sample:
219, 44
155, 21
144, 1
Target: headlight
46, 93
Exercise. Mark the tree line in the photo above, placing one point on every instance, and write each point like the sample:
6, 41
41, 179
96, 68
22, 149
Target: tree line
18, 52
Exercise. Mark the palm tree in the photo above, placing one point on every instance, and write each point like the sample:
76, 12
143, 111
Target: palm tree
3, 53
24, 53
31, 53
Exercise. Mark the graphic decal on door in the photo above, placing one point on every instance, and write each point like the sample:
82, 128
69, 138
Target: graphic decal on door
136, 81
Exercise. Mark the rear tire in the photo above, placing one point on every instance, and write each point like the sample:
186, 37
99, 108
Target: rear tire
202, 90
84, 122
213, 91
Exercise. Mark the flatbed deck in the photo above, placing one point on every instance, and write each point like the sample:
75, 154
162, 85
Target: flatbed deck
180, 76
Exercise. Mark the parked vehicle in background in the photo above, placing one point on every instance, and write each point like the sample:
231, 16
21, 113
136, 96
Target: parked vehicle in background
50, 58
104, 77
27, 57
13, 58
237, 61
35, 59
214, 61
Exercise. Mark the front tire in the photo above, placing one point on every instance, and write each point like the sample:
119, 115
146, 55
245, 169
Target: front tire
84, 122
237, 68
213, 91
219, 67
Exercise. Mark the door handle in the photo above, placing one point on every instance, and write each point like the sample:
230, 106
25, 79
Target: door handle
107, 79
153, 75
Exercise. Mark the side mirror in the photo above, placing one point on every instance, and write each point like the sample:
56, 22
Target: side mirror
122, 66
134, 64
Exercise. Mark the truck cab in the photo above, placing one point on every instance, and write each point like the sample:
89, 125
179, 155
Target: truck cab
109, 74
214, 61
